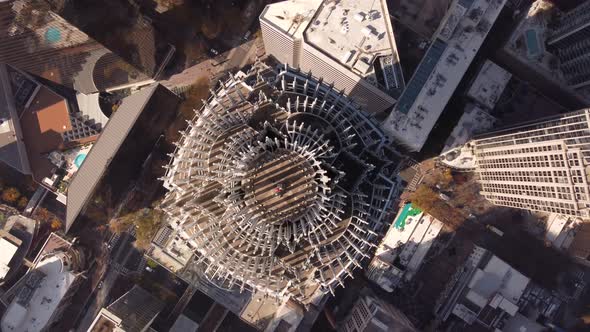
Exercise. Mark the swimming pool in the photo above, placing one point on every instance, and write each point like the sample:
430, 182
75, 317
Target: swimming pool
52, 35
79, 159
532, 43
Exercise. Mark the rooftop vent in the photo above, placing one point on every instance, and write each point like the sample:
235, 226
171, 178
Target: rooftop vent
360, 16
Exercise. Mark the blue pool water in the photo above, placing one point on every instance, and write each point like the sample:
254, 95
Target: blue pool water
79, 159
532, 43
52, 35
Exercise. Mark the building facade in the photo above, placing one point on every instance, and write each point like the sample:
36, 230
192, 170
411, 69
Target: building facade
371, 314
539, 165
316, 36
571, 43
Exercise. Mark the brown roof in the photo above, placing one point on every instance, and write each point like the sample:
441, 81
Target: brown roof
43, 122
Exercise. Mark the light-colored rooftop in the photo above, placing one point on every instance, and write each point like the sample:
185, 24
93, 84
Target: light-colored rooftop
409, 242
354, 32
44, 301
184, 324
497, 278
560, 230
7, 251
489, 84
291, 16
461, 157
475, 120
441, 70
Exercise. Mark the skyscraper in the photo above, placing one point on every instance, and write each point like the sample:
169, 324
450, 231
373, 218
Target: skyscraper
40, 38
571, 42
539, 165
348, 43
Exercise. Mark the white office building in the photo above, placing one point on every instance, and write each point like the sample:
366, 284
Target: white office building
539, 165
347, 43
452, 50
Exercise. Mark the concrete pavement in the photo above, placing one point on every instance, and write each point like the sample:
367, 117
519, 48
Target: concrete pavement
237, 57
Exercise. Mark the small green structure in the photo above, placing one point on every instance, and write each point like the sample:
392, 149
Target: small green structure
408, 210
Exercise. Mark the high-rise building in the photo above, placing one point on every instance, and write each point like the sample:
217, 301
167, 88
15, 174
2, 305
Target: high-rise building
457, 41
539, 165
39, 298
371, 314
571, 43
278, 187
348, 43
44, 38
133, 312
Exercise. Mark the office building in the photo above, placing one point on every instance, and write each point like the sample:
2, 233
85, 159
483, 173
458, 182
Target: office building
135, 311
279, 186
347, 43
446, 61
570, 41
371, 314
538, 165
39, 37
39, 298
486, 292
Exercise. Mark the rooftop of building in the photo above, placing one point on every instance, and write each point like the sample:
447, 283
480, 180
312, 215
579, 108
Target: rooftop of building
136, 309
292, 16
404, 246
9, 245
37, 300
354, 33
184, 324
434, 81
489, 84
474, 120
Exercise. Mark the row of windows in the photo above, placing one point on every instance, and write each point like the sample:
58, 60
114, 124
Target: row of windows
554, 189
531, 193
520, 150
492, 177
537, 164
534, 203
